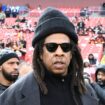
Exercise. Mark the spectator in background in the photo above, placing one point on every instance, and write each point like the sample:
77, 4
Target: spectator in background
4, 7
35, 24
81, 27
98, 28
14, 12
9, 62
2, 17
89, 69
57, 78
92, 60
8, 43
23, 20
86, 64
15, 46
99, 85
23, 45
103, 45
18, 19
22, 42
8, 11
2, 44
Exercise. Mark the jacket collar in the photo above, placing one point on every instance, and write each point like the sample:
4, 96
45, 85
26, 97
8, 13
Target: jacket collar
29, 92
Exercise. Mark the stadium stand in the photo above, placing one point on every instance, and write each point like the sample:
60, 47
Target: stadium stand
69, 8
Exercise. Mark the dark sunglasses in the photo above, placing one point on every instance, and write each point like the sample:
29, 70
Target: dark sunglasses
52, 47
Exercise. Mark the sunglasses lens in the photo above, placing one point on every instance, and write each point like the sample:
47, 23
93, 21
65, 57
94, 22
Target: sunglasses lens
66, 47
51, 47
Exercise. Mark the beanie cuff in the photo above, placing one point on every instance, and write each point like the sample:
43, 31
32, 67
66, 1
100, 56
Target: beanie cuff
7, 57
55, 25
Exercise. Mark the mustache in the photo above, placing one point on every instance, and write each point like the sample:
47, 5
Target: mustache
58, 60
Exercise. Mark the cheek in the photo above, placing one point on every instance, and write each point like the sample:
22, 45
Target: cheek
7, 67
46, 58
104, 77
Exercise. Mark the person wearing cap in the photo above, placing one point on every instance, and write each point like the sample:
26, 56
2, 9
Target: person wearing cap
92, 60
57, 67
99, 83
9, 63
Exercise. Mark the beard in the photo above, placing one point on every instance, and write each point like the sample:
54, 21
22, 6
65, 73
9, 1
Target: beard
9, 76
101, 82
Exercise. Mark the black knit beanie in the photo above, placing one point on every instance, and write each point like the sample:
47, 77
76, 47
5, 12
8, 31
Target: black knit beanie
7, 54
54, 21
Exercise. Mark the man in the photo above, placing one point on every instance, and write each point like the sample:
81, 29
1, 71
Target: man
57, 67
2, 18
81, 27
9, 63
92, 60
99, 85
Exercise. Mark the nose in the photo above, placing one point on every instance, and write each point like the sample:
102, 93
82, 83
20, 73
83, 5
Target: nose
99, 76
16, 66
59, 51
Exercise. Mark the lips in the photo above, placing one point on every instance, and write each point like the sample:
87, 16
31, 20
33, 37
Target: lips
59, 64
15, 73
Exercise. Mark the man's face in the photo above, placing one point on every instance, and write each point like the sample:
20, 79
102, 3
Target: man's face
101, 78
9, 69
91, 56
56, 60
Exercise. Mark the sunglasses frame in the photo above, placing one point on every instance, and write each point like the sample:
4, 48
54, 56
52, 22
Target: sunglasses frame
52, 47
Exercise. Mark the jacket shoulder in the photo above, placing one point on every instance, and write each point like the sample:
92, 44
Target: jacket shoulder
90, 96
18, 90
